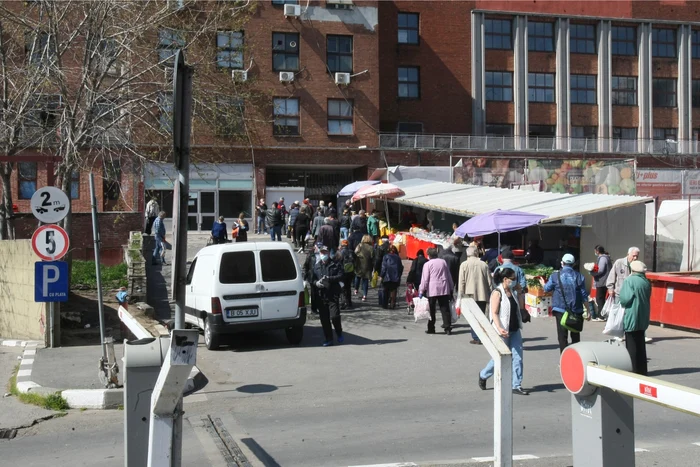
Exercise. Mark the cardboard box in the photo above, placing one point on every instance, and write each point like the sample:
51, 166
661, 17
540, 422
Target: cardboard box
532, 300
539, 311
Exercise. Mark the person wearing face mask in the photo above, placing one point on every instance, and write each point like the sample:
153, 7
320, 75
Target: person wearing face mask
327, 276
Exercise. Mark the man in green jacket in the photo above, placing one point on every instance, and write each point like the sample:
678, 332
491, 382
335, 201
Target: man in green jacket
373, 226
635, 297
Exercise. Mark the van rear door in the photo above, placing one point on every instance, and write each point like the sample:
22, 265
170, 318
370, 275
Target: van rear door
281, 281
238, 287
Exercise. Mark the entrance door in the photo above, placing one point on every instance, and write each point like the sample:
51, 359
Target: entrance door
193, 210
207, 210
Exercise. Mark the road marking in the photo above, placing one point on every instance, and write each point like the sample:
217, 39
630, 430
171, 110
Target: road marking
27, 361
640, 450
29, 352
517, 457
24, 372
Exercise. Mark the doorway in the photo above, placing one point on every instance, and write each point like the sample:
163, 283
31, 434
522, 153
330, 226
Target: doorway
201, 210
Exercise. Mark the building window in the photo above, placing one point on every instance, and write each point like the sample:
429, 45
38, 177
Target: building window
165, 108
339, 54
285, 51
229, 116
409, 127
696, 44
75, 184
499, 129
285, 2
583, 89
664, 92
582, 39
624, 133
27, 179
340, 117
663, 43
169, 42
588, 132
409, 82
540, 36
662, 134
39, 48
540, 87
696, 93
408, 28
286, 116
624, 90
107, 56
545, 131
499, 86
498, 34
624, 40
229, 49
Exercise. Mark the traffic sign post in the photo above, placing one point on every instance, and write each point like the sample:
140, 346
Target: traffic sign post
50, 204
50, 281
50, 242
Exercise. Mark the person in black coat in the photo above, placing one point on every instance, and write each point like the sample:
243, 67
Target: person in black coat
301, 228
360, 222
355, 239
327, 275
414, 275
381, 250
453, 262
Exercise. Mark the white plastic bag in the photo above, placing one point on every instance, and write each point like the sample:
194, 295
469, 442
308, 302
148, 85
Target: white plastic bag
605, 312
421, 308
615, 326
456, 314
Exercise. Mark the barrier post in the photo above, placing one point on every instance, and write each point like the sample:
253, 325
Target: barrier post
502, 381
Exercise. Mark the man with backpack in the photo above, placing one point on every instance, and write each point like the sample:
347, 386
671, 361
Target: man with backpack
347, 259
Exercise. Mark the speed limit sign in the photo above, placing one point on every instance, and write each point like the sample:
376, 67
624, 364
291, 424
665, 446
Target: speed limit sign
50, 242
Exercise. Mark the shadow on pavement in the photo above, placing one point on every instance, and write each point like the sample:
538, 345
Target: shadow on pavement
548, 387
673, 371
531, 348
676, 338
259, 452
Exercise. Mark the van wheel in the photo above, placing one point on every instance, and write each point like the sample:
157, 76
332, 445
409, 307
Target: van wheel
211, 340
295, 334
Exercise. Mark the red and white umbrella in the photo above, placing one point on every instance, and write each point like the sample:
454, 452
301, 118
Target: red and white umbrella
382, 190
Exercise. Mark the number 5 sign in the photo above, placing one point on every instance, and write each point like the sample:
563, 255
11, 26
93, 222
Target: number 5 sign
50, 242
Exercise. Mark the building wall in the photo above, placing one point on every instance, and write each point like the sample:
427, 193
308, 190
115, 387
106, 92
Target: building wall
20, 316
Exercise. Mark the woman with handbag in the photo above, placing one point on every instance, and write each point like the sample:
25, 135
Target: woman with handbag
218, 232
240, 227
506, 319
569, 296
364, 253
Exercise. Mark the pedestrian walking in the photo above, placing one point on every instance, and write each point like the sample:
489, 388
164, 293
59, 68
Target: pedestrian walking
301, 228
261, 213
414, 275
620, 270
327, 274
600, 274
317, 223
569, 293
355, 239
324, 209
151, 213
436, 283
373, 226
326, 235
345, 225
475, 283
242, 225
219, 232
293, 214
635, 297
391, 272
451, 257
364, 264
360, 222
380, 251
332, 210
347, 259
507, 320
275, 221
159, 234
333, 221
307, 271
520, 284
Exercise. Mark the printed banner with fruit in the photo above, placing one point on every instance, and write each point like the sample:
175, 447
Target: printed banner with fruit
583, 176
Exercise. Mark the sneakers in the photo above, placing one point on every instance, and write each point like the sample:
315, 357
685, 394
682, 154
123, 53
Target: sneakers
482, 383
599, 320
520, 391
355, 292
341, 339
327, 344
647, 339
448, 332
364, 298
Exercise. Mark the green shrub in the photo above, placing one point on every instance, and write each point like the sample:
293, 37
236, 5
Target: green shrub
84, 275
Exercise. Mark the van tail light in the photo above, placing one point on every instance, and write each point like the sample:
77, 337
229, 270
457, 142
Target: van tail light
302, 301
215, 306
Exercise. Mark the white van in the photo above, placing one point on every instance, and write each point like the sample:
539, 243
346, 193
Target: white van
246, 286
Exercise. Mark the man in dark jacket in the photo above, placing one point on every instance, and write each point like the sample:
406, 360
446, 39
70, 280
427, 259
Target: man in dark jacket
261, 211
293, 213
453, 262
327, 275
333, 221
344, 222
317, 223
360, 222
354, 239
307, 272
326, 235
382, 250
275, 222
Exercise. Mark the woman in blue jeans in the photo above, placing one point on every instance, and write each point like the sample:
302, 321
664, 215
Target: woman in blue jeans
506, 318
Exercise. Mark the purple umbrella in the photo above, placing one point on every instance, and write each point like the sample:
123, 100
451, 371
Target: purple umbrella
496, 222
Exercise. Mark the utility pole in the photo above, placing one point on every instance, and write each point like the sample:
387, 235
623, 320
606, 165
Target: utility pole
182, 125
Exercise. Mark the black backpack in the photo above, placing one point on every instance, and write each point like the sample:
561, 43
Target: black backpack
348, 257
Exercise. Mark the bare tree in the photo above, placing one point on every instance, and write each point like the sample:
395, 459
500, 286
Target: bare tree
90, 81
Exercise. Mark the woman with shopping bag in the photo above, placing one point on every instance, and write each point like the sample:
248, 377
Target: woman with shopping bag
364, 265
436, 283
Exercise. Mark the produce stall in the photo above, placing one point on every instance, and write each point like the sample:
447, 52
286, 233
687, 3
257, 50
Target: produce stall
674, 298
419, 239
537, 302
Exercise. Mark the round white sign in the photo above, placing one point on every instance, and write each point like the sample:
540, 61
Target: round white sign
50, 242
50, 204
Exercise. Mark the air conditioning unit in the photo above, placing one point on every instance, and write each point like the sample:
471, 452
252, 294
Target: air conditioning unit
286, 76
340, 4
239, 75
292, 10
342, 78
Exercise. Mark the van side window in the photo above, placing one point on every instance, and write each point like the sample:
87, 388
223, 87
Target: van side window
277, 265
190, 273
237, 267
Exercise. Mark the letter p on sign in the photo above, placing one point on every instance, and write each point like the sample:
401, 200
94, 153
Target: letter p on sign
50, 281
51, 275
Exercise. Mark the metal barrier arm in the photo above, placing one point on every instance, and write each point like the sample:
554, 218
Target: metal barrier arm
502, 393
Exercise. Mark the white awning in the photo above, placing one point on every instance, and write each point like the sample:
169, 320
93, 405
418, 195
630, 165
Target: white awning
471, 200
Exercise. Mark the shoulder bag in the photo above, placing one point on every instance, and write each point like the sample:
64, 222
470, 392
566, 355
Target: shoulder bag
570, 321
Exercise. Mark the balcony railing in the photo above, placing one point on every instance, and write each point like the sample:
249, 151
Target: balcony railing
534, 143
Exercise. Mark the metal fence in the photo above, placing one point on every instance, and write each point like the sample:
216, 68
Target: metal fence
534, 143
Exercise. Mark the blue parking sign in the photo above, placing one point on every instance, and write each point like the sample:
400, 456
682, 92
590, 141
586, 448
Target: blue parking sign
50, 281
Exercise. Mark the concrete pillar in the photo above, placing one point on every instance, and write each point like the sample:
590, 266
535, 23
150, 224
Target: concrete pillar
520, 98
604, 86
561, 84
685, 88
646, 116
478, 75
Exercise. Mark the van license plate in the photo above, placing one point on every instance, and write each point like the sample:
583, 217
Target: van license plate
241, 313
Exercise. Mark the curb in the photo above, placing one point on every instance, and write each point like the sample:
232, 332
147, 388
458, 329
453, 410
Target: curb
96, 399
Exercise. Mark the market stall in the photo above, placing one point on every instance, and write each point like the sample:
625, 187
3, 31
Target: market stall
674, 296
